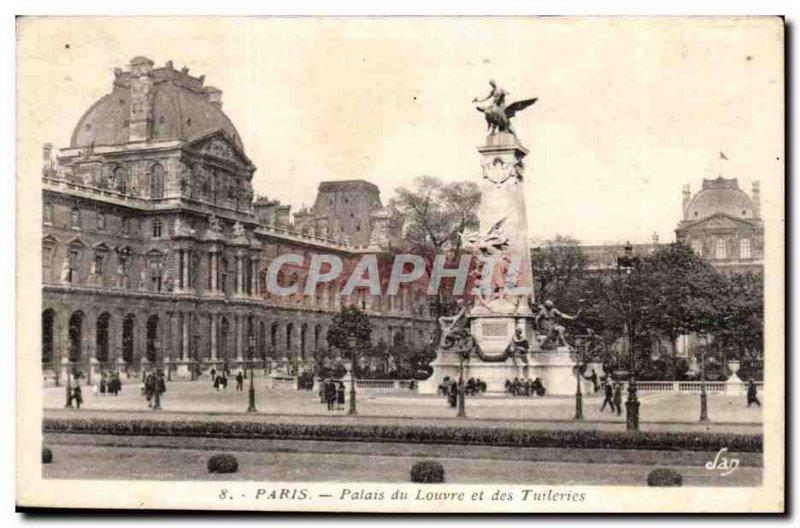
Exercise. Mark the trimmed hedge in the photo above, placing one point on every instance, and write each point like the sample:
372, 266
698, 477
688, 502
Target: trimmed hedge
423, 434
427, 472
47, 455
664, 477
223, 463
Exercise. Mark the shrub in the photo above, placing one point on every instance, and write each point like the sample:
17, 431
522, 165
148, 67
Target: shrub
222, 463
664, 477
47, 455
423, 434
427, 472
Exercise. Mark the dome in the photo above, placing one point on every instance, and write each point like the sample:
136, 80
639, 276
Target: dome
720, 196
177, 106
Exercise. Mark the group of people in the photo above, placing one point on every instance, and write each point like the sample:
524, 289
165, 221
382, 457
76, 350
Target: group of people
525, 387
154, 386
472, 387
220, 378
109, 383
332, 393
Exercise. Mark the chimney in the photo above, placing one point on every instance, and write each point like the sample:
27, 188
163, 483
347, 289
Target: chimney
214, 95
141, 116
687, 196
757, 199
655, 238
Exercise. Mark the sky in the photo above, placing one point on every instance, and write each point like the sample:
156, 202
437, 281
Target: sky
629, 109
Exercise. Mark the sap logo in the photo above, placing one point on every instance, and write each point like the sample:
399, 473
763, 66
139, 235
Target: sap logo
725, 465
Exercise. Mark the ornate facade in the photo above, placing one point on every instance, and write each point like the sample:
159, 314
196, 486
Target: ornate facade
153, 245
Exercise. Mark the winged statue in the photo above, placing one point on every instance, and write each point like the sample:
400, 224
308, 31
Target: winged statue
498, 115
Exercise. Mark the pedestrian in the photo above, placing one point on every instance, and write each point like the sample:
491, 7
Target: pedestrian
593, 378
214, 376
76, 391
149, 388
340, 396
103, 383
114, 385
609, 395
618, 398
452, 395
217, 382
321, 384
224, 381
752, 394
330, 393
239, 381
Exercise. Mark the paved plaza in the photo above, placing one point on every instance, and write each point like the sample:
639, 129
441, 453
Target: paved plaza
658, 411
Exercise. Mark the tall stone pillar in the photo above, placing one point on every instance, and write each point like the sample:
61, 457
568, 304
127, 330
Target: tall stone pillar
185, 338
214, 318
239, 274
239, 321
214, 271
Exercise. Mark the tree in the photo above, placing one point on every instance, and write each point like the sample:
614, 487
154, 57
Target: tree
349, 322
430, 219
558, 272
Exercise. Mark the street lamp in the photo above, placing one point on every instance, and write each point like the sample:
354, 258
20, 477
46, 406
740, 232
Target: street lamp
353, 342
578, 392
157, 404
252, 393
703, 397
462, 411
627, 263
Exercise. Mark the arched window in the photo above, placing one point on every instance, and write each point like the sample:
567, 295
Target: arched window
744, 248
157, 182
720, 249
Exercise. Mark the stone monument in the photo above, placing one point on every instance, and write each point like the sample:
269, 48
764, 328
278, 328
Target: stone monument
494, 337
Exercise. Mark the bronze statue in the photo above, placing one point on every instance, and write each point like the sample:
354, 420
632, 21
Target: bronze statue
498, 115
518, 347
546, 323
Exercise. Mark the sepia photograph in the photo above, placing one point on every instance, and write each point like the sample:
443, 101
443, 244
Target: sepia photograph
417, 264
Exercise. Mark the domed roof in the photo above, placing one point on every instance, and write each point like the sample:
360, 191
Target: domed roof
180, 108
720, 196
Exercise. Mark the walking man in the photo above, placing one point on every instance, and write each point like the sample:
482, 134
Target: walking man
618, 398
608, 399
752, 394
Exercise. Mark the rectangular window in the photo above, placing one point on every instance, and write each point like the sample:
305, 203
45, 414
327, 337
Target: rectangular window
74, 262
47, 214
697, 246
744, 248
721, 249
157, 227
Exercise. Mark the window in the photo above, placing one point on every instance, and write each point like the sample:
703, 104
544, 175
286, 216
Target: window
126, 225
73, 263
744, 248
720, 249
48, 250
157, 227
156, 274
157, 182
47, 214
697, 246
101, 222
99, 267
122, 269
75, 218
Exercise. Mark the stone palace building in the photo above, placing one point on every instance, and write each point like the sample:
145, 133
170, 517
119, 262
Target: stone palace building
155, 247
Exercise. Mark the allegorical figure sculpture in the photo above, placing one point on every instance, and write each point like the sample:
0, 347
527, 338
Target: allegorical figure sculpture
498, 115
518, 347
546, 322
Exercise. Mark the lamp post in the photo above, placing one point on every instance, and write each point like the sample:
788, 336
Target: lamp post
627, 263
157, 404
462, 411
703, 397
251, 408
578, 391
353, 342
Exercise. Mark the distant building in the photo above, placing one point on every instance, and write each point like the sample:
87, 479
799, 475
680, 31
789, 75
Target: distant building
722, 224
153, 245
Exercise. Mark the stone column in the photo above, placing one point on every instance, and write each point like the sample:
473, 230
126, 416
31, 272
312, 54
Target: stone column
239, 273
214, 274
239, 321
185, 337
214, 320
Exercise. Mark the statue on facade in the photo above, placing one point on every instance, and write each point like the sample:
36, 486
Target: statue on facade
214, 224
498, 115
546, 322
238, 229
